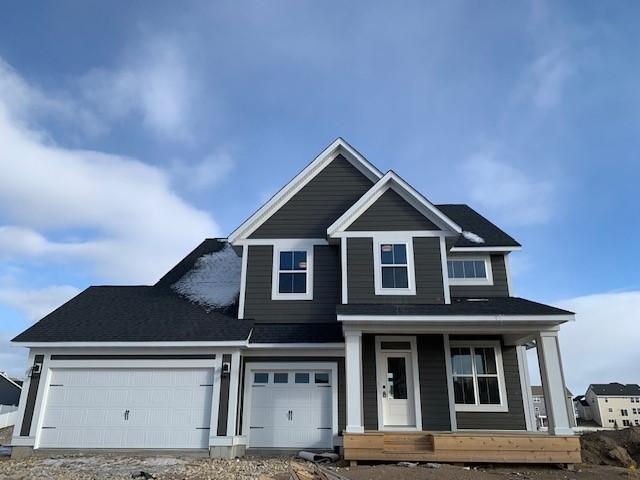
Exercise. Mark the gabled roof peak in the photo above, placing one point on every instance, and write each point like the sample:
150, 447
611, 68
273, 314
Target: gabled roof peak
392, 180
338, 147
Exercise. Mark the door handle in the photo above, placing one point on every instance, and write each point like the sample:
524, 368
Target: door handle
290, 415
126, 414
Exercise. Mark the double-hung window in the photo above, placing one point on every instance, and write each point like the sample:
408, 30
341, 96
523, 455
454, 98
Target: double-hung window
292, 273
394, 274
478, 378
467, 270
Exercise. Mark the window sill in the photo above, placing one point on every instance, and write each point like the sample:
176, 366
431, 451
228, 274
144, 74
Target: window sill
292, 296
395, 291
461, 282
481, 408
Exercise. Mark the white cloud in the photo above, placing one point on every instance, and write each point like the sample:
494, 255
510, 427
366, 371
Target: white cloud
204, 174
36, 303
546, 79
154, 82
137, 225
601, 346
507, 192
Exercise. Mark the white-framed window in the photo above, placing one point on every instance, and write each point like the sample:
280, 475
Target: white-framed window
626, 423
478, 377
624, 412
394, 270
469, 270
292, 277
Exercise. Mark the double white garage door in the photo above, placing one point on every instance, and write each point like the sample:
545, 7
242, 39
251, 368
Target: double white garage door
290, 409
128, 408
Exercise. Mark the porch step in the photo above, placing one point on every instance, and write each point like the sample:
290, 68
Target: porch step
408, 443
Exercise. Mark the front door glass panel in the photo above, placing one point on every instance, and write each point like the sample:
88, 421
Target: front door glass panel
396, 378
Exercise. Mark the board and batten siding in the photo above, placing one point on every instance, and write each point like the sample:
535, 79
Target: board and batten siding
513, 419
428, 273
391, 213
318, 204
369, 383
326, 288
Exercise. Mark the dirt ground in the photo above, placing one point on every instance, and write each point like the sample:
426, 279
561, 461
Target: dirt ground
5, 435
104, 467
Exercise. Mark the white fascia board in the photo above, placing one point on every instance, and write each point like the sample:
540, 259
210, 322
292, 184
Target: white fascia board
485, 249
241, 343
296, 345
300, 180
406, 191
457, 318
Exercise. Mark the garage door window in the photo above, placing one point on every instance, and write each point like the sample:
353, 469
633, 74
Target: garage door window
280, 378
302, 377
322, 378
260, 377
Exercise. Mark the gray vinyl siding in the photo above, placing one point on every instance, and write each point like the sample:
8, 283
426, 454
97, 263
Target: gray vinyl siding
300, 361
318, 204
391, 212
513, 419
499, 288
326, 288
434, 395
369, 383
428, 273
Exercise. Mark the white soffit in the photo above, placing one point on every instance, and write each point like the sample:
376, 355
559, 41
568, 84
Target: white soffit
406, 191
339, 146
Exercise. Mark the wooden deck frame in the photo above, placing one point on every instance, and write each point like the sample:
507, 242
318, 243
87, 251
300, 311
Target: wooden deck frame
462, 447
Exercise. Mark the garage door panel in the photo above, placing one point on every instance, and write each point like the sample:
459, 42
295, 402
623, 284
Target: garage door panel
290, 415
165, 408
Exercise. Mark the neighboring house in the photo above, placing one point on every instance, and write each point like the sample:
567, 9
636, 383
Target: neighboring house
540, 410
583, 410
348, 303
614, 405
10, 390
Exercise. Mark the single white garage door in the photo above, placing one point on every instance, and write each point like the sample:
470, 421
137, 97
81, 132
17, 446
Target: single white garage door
291, 409
128, 408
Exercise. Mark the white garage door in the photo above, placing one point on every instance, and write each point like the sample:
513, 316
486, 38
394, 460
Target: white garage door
291, 409
128, 408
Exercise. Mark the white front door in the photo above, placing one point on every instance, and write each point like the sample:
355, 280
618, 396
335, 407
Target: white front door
290, 409
128, 408
395, 385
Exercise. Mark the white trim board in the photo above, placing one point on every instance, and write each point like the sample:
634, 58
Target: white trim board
486, 281
407, 192
456, 318
47, 345
339, 146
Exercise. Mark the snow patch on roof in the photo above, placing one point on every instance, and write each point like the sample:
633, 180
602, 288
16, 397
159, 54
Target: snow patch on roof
472, 237
214, 281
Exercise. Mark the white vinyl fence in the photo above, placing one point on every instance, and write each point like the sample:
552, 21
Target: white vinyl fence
8, 415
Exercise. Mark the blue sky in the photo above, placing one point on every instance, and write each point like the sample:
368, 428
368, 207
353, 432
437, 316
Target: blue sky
129, 131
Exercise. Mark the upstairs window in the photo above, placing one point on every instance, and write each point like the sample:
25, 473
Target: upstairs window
470, 271
292, 273
393, 267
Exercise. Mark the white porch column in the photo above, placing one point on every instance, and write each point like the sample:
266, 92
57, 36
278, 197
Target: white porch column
553, 383
353, 367
525, 384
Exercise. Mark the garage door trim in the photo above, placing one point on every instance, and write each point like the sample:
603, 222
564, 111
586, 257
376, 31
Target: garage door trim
251, 367
213, 363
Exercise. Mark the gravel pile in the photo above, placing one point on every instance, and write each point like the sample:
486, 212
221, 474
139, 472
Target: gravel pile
104, 467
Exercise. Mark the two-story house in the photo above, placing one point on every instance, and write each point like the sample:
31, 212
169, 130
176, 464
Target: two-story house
613, 405
347, 312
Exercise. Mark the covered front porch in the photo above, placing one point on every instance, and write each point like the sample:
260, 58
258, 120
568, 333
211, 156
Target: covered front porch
453, 389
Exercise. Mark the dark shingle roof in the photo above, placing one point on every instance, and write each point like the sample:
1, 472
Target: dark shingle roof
297, 333
458, 306
615, 389
472, 221
141, 313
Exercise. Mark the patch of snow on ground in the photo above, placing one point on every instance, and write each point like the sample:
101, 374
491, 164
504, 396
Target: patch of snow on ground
215, 279
472, 237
